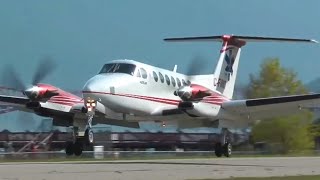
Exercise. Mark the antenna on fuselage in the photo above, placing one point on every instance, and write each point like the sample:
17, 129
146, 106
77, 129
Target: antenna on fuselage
175, 68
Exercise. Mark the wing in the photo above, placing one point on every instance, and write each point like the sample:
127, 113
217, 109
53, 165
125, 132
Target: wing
262, 108
61, 112
15, 102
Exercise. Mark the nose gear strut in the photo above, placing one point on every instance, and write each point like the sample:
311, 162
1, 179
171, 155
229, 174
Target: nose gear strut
82, 131
89, 138
90, 105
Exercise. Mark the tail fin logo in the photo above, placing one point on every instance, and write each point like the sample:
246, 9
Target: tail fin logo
230, 61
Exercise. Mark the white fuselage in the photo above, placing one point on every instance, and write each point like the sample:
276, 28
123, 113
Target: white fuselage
145, 95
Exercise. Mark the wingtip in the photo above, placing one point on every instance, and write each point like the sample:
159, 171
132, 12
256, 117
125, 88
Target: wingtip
314, 41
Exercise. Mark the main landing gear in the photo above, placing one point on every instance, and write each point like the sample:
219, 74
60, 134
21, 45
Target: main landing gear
224, 147
83, 137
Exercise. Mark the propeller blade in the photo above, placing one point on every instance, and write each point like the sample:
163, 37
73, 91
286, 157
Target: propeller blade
11, 79
26, 121
45, 67
197, 64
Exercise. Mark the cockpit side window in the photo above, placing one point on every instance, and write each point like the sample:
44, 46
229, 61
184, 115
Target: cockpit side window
118, 68
144, 73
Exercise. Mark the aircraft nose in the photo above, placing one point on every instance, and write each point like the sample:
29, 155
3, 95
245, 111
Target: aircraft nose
91, 85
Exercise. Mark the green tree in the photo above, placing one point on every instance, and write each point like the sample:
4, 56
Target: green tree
282, 133
274, 80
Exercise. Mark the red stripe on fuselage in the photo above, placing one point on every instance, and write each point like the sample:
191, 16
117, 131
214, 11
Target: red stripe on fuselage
149, 98
218, 100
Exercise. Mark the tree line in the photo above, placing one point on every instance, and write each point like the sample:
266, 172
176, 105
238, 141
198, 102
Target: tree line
282, 134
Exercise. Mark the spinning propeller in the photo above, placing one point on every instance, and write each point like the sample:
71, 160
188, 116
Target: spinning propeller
189, 91
33, 92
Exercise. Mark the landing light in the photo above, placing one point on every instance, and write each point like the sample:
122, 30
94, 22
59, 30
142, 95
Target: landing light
163, 124
90, 104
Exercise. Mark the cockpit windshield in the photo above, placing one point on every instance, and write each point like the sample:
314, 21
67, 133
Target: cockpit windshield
118, 68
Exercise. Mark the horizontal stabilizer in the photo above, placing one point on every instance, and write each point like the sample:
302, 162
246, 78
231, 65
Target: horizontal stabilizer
244, 38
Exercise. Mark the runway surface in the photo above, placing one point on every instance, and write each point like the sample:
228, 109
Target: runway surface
162, 169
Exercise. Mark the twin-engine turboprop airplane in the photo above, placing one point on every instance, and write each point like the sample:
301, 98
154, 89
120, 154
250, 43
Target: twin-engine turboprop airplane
126, 92
131, 91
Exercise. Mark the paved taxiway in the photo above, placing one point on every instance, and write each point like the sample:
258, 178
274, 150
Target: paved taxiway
162, 169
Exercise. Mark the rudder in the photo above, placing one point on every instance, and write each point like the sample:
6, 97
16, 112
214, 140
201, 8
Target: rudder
226, 70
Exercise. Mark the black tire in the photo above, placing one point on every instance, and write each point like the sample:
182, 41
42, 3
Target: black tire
218, 149
78, 148
89, 138
69, 148
227, 149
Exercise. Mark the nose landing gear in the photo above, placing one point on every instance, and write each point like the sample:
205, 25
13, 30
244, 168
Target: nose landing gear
88, 135
82, 132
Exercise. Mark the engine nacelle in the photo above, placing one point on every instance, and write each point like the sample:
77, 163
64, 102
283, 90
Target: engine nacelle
201, 109
192, 92
185, 105
40, 93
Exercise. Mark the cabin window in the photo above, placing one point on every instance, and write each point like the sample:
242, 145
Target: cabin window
118, 68
178, 82
144, 73
173, 81
155, 76
161, 77
184, 82
167, 79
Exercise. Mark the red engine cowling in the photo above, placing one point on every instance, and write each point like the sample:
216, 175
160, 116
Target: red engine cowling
40, 92
193, 92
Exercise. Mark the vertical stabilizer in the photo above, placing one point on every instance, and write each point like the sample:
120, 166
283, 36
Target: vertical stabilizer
226, 70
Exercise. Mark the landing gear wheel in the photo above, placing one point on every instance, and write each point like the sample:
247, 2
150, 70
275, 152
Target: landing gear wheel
227, 149
89, 136
78, 148
69, 148
218, 149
